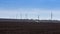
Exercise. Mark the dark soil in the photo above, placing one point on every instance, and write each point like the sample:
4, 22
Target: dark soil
10, 27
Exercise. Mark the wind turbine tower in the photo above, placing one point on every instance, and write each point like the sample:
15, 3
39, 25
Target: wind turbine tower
20, 16
51, 15
26, 16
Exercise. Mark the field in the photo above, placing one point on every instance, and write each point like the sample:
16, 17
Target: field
13, 26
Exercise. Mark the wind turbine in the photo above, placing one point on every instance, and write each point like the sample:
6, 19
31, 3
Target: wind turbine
51, 15
26, 16
38, 17
20, 16
16, 15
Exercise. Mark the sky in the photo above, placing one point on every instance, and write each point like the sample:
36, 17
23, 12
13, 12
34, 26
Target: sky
30, 9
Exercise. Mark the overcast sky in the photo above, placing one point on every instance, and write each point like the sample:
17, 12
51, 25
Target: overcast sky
30, 8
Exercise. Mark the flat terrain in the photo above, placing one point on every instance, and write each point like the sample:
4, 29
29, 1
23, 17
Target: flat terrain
15, 26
